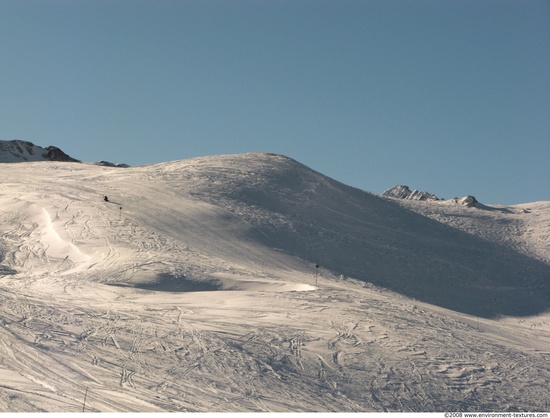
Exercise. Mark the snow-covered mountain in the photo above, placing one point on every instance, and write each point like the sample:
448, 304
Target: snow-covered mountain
23, 151
253, 283
403, 192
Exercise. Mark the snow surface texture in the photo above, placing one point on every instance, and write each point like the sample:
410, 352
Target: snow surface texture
195, 288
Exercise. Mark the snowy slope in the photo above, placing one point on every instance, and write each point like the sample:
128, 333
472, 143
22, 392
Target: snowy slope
194, 289
523, 228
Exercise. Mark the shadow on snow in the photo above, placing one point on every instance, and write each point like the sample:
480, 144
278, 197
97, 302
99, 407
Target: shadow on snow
171, 283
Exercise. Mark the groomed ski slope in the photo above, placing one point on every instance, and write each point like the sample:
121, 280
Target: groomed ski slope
195, 289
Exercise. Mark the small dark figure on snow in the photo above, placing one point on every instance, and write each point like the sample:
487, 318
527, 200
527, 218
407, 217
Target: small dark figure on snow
105, 198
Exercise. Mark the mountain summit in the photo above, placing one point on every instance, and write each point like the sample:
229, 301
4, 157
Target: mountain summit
23, 151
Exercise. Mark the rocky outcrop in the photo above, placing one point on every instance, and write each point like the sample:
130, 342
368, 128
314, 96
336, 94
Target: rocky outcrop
403, 192
23, 151
109, 164
468, 201
55, 154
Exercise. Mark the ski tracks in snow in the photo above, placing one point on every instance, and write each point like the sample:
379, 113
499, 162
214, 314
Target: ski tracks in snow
343, 346
197, 353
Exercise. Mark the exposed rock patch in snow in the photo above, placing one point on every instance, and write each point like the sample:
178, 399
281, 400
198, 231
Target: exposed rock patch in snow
108, 164
468, 201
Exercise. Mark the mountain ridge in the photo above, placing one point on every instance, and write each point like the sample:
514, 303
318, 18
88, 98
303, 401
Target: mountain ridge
24, 151
403, 192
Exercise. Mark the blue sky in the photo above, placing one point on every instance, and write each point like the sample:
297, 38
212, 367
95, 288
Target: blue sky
451, 97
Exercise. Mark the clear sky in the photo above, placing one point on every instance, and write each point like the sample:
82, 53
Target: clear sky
450, 97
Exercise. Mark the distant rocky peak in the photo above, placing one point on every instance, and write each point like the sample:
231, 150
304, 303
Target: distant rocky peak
55, 154
403, 192
16, 151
